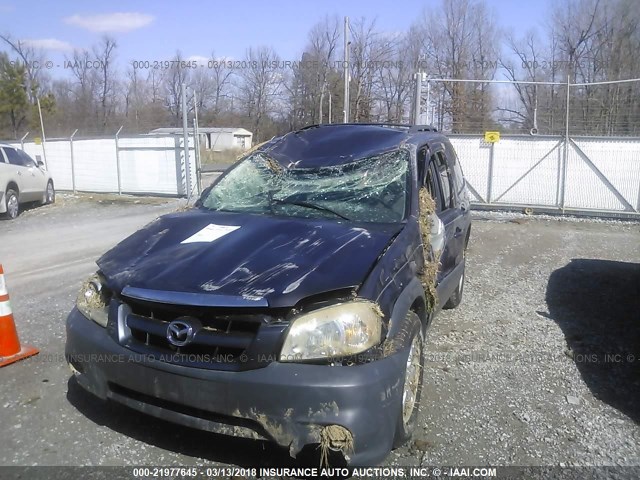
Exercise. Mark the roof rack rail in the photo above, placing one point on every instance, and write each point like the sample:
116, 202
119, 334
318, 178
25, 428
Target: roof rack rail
422, 128
374, 124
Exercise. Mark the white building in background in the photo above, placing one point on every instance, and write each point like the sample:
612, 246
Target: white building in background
214, 138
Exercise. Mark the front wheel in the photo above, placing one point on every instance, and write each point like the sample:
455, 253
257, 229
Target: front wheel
412, 390
11, 203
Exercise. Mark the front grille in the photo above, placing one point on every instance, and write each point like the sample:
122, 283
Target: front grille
221, 338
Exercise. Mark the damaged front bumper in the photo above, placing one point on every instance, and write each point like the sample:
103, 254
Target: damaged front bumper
289, 404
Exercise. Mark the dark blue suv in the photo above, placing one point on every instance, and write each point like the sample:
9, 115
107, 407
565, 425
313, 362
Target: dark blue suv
291, 303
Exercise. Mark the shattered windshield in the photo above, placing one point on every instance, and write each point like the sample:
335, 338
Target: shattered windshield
373, 189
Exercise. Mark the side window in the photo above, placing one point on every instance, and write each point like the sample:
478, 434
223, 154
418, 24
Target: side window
458, 177
27, 161
444, 179
13, 157
432, 186
422, 165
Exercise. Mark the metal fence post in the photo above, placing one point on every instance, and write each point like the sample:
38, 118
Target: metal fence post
566, 150
22, 141
44, 137
118, 162
185, 136
490, 173
196, 144
418, 99
73, 163
197, 155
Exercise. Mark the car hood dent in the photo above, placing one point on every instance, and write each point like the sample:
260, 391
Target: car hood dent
281, 259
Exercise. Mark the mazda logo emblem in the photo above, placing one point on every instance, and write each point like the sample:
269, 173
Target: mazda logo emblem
180, 332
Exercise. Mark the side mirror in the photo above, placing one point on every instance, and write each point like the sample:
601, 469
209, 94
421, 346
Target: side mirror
40, 164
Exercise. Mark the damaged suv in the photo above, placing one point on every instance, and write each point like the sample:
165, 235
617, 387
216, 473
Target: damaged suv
291, 304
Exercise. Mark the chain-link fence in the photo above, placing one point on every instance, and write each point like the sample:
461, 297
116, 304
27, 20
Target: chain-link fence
544, 108
562, 146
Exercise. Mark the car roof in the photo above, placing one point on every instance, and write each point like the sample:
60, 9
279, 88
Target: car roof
339, 143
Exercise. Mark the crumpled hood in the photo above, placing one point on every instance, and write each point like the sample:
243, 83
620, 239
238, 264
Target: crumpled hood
280, 259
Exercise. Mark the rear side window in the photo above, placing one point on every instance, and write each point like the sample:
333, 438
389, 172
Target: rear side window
432, 187
444, 178
458, 176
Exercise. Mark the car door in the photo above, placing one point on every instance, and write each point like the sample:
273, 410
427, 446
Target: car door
26, 170
6, 172
19, 173
450, 214
38, 179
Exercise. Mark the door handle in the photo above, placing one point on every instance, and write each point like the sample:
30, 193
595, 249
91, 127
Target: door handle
457, 233
19, 173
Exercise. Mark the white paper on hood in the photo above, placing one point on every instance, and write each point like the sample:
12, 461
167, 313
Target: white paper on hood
210, 233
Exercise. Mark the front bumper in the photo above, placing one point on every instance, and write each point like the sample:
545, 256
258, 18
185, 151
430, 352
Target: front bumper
285, 403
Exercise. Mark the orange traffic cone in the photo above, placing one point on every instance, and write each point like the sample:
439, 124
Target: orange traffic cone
10, 350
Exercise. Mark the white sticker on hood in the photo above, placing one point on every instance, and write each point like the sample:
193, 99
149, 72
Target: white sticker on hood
210, 233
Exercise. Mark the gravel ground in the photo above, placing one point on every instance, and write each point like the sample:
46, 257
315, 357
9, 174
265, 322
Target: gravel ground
517, 375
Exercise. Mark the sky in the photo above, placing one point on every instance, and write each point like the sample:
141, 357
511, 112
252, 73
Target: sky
155, 30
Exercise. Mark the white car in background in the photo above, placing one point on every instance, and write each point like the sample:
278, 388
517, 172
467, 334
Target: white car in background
22, 180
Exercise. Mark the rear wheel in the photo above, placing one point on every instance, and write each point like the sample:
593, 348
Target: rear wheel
11, 203
412, 390
50, 194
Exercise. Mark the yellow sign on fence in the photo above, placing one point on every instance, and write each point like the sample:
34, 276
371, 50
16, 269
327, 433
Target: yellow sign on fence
37, 141
491, 137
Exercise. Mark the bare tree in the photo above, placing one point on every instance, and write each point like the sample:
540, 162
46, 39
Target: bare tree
174, 78
314, 79
221, 75
261, 83
104, 53
31, 60
461, 42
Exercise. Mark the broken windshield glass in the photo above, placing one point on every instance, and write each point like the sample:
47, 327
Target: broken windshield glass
373, 189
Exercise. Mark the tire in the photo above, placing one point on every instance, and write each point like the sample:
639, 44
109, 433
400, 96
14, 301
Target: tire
12, 204
49, 194
412, 384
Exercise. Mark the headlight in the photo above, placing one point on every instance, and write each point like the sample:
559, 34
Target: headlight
336, 331
93, 300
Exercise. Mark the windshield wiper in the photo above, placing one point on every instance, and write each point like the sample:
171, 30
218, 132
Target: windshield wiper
301, 203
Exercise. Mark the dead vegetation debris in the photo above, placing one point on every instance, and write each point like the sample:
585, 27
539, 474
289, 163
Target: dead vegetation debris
274, 166
336, 438
431, 259
94, 299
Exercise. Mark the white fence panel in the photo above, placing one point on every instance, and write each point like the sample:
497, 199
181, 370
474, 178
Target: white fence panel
475, 162
95, 165
601, 174
147, 164
617, 160
150, 165
526, 172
